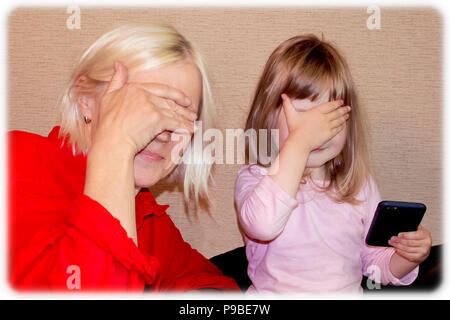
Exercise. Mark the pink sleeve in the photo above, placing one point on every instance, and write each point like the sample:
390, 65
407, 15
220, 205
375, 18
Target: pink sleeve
376, 260
263, 206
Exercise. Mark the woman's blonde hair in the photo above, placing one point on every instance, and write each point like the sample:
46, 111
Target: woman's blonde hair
305, 67
139, 48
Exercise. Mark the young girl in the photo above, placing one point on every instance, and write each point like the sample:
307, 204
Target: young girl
306, 215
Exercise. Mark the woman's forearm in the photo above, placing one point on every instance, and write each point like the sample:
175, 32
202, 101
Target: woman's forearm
110, 181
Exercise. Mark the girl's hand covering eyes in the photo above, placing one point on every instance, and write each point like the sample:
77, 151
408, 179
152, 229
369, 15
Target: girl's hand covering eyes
317, 125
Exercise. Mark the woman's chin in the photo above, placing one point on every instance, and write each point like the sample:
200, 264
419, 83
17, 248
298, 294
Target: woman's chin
142, 184
146, 179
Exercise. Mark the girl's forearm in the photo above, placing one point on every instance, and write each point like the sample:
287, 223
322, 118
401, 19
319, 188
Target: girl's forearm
288, 168
110, 181
400, 267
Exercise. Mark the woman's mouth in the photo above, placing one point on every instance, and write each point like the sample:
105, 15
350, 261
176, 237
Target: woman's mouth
148, 155
317, 150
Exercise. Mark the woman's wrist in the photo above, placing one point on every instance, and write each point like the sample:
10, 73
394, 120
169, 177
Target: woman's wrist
111, 147
110, 181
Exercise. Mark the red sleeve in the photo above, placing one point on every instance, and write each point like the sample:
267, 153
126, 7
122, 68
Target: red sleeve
90, 251
183, 268
62, 240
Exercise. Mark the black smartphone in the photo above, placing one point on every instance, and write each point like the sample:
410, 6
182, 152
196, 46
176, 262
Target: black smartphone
391, 218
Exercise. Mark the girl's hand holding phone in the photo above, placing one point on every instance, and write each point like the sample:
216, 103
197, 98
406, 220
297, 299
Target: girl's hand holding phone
317, 125
413, 246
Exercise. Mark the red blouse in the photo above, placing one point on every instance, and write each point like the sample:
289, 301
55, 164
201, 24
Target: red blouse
61, 239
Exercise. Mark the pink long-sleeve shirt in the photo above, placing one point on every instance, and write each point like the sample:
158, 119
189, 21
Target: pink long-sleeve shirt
310, 243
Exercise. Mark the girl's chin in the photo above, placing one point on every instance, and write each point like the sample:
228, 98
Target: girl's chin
315, 164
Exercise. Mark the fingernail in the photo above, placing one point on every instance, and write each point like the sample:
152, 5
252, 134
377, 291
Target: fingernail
283, 96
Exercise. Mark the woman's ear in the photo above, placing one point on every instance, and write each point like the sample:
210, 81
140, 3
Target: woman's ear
84, 101
86, 106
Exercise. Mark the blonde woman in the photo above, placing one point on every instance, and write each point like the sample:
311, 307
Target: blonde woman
306, 215
80, 214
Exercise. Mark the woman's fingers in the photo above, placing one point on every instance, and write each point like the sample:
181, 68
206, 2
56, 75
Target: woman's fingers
178, 125
164, 91
171, 109
183, 111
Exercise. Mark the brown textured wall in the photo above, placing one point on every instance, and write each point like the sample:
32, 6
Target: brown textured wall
397, 70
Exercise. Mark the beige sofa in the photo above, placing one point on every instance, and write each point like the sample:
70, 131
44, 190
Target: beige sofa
397, 69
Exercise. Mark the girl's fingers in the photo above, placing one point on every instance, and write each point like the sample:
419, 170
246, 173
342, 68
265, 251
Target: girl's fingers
403, 247
409, 250
409, 243
336, 130
164, 91
330, 106
414, 235
339, 121
407, 255
339, 112
288, 108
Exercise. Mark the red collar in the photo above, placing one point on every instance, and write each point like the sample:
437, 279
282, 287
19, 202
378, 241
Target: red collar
146, 204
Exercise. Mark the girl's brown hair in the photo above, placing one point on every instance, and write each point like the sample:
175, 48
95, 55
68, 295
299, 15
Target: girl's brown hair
305, 67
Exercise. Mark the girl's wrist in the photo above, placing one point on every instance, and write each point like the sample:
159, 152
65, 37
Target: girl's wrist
297, 139
400, 266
